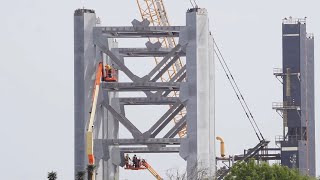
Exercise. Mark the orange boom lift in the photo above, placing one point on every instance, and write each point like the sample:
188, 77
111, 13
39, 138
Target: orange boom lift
142, 165
110, 77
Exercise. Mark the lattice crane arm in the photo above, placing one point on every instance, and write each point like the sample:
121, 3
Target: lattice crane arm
155, 12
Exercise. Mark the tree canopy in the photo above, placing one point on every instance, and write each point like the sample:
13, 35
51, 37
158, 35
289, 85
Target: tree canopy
52, 175
263, 171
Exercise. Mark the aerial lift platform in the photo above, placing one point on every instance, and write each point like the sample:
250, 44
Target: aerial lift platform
143, 165
107, 74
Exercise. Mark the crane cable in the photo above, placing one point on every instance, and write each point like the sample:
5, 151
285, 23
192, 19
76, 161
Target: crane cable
194, 4
237, 91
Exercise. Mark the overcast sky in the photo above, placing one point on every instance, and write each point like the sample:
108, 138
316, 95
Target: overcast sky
36, 74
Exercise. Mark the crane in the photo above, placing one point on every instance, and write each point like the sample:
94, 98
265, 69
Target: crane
154, 11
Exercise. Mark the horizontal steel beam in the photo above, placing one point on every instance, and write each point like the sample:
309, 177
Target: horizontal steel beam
257, 157
147, 150
148, 101
151, 141
271, 149
140, 32
141, 86
145, 52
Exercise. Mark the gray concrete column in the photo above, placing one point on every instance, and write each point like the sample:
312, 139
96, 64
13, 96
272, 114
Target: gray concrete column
200, 104
111, 129
212, 139
84, 70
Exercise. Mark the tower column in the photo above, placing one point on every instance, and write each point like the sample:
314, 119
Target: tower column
84, 69
200, 85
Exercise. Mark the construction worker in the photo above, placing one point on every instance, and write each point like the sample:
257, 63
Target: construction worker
135, 160
138, 162
109, 71
127, 159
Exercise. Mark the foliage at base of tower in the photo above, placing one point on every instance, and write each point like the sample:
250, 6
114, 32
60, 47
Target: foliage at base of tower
263, 171
91, 171
52, 175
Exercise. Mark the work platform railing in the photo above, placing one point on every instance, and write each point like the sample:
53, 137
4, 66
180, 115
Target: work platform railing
291, 20
288, 138
280, 72
285, 106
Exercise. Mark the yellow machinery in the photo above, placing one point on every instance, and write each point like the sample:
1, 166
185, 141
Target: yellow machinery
89, 134
110, 77
154, 11
151, 170
222, 150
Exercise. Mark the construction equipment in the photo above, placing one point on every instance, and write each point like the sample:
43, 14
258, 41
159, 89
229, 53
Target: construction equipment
109, 77
155, 12
142, 165
262, 142
89, 134
221, 146
92, 114
249, 154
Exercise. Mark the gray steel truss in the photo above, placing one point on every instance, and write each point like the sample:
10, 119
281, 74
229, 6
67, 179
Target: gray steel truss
161, 141
144, 86
147, 150
146, 52
148, 101
140, 32
194, 83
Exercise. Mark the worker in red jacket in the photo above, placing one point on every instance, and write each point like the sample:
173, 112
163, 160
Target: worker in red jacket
135, 161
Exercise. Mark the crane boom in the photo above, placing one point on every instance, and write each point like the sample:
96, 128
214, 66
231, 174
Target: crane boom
151, 170
142, 165
89, 133
154, 11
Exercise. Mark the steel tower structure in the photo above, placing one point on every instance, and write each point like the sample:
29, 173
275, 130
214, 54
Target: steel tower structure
193, 82
297, 109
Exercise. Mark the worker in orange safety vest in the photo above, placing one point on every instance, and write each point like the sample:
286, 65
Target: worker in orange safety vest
109, 71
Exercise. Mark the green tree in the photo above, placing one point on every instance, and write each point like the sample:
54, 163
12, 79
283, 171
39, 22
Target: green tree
80, 175
263, 171
90, 171
52, 175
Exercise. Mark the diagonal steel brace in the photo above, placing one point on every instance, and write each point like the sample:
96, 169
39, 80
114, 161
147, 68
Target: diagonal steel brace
177, 128
100, 41
165, 68
123, 120
167, 120
164, 60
